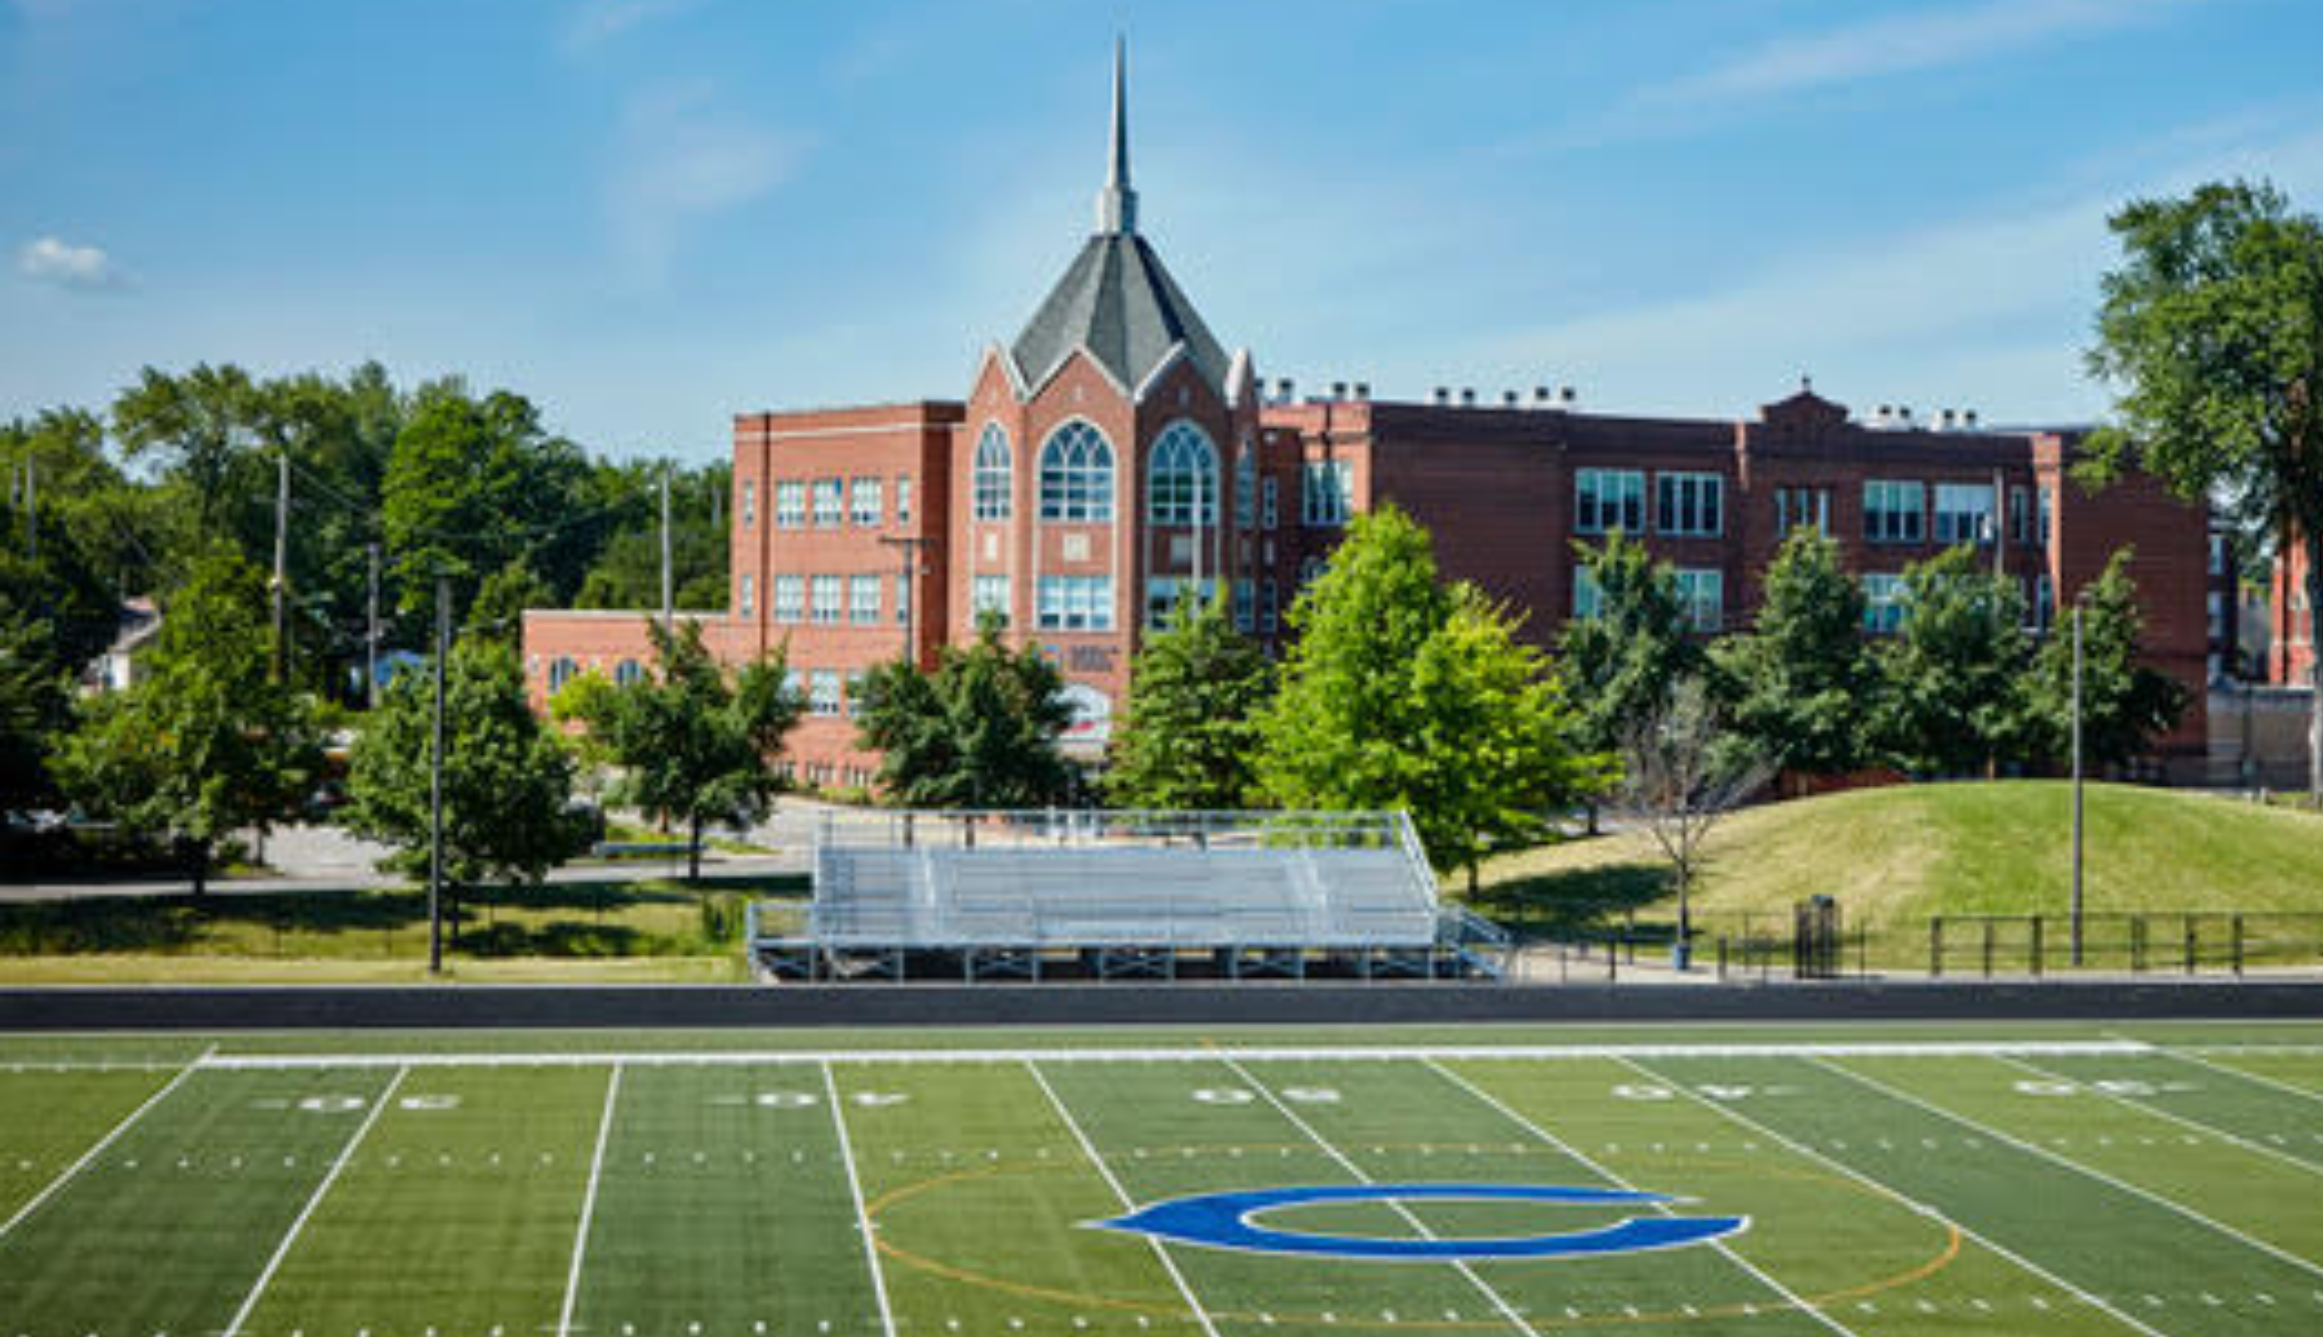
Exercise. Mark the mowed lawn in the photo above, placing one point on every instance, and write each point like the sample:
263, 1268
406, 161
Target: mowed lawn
1894, 857
1979, 1182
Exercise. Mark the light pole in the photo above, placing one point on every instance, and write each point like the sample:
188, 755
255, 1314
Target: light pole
2077, 813
435, 819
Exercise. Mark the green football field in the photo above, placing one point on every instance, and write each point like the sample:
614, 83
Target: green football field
1872, 1180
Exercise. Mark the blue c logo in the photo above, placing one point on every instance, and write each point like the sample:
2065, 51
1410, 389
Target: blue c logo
1223, 1221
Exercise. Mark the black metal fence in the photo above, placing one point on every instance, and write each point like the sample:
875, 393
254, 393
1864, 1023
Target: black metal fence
2183, 943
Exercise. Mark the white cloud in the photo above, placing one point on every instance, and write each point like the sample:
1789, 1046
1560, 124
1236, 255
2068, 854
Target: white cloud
602, 20
60, 262
1900, 44
680, 160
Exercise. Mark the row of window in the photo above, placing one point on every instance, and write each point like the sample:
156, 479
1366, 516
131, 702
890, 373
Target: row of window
1702, 596
1085, 603
1076, 481
830, 600
1692, 505
832, 502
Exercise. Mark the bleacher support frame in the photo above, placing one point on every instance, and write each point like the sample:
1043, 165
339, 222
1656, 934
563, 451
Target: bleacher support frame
1125, 895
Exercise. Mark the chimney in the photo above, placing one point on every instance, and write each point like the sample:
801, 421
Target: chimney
1467, 397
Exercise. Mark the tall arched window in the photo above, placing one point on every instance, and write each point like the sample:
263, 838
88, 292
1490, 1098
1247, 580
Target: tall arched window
1077, 474
992, 474
1183, 488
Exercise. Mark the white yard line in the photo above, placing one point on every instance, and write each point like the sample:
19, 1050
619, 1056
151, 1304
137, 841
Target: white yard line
2077, 1167
1542, 1134
2230, 1070
66, 1176
588, 1204
1499, 1301
1129, 1204
2194, 1125
862, 1216
1893, 1194
314, 1200
1187, 1053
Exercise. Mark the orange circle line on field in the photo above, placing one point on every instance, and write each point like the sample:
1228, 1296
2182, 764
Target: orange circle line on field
1928, 1267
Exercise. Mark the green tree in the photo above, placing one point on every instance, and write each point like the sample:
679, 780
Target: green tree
627, 570
2212, 328
507, 782
498, 613
1623, 660
207, 742
200, 426
1952, 700
692, 743
35, 708
1802, 679
1190, 732
2124, 703
93, 539
1401, 692
978, 731
1681, 773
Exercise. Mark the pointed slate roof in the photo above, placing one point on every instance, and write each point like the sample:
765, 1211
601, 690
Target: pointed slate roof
1116, 299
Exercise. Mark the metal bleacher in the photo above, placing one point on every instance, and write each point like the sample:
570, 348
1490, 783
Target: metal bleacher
1109, 895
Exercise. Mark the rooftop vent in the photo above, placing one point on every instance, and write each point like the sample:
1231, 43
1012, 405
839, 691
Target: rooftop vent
1566, 395
1968, 420
1542, 398
1508, 399
1338, 389
1441, 396
1467, 396
1362, 390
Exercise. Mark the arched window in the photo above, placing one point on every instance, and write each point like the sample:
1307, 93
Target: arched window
561, 672
1077, 474
1246, 488
992, 474
1183, 489
628, 673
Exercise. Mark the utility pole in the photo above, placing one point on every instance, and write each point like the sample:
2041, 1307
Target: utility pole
435, 819
668, 585
2076, 782
371, 635
281, 559
910, 549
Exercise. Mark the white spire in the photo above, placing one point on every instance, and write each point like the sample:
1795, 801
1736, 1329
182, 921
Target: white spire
1117, 203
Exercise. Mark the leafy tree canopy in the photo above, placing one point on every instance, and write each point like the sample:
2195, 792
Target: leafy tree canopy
2125, 704
1801, 678
979, 731
1190, 733
1953, 698
1623, 662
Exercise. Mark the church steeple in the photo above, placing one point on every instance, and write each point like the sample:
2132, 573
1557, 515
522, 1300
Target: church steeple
1117, 203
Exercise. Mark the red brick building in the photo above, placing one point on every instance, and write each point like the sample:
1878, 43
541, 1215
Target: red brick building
1115, 453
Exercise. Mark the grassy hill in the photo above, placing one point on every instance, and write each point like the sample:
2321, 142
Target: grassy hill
1894, 857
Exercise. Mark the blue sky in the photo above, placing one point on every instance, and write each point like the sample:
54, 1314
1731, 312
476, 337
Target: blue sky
651, 214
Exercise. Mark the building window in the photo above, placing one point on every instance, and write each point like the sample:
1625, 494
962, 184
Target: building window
2044, 602
1702, 598
1269, 607
749, 594
902, 600
1964, 513
628, 673
1163, 593
1588, 595
903, 499
1075, 603
1246, 489
1245, 605
993, 490
561, 672
1182, 483
823, 692
749, 504
2048, 510
1883, 602
1267, 509
863, 600
870, 501
790, 599
2020, 515
1326, 493
790, 504
1802, 508
1608, 499
830, 502
825, 609
1892, 511
1077, 475
1310, 571
1690, 505
988, 594
854, 708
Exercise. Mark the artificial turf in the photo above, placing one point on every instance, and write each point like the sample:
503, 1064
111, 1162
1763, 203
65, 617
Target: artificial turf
2006, 1180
